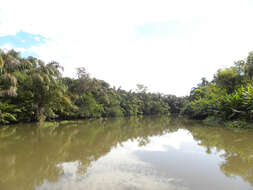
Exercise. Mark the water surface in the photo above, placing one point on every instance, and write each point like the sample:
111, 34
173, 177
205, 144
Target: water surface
157, 153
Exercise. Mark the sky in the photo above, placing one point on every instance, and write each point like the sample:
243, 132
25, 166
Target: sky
166, 45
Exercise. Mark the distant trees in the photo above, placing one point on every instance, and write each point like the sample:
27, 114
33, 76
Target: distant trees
31, 90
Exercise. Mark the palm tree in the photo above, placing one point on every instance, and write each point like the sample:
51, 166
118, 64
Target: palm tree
10, 62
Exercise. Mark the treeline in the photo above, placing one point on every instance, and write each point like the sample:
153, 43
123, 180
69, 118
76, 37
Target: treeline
31, 90
228, 98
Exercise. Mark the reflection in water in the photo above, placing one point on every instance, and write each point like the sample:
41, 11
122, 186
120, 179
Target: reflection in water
125, 153
237, 147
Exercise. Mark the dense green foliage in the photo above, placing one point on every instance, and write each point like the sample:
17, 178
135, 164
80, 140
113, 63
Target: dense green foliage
228, 97
31, 90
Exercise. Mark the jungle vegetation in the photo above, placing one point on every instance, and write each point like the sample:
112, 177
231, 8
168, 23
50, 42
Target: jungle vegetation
31, 90
228, 98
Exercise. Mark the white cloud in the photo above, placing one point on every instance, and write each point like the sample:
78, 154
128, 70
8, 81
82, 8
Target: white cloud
6, 47
161, 143
103, 36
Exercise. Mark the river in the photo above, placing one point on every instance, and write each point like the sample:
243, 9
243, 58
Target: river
149, 153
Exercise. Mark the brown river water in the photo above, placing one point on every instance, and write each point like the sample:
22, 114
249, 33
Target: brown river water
149, 153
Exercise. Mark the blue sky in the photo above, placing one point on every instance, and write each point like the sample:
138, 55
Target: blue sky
160, 29
166, 45
23, 41
173, 28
